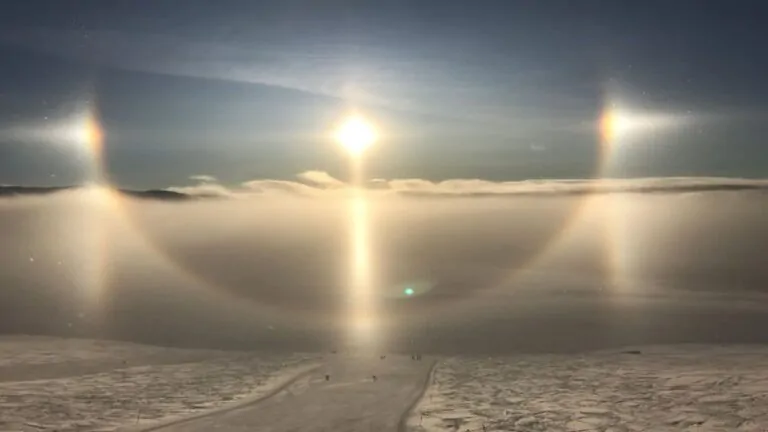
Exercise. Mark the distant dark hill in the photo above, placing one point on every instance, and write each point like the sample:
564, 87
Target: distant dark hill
159, 194
152, 194
6, 191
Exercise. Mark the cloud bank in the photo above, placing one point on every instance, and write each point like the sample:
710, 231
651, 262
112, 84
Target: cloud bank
320, 183
317, 184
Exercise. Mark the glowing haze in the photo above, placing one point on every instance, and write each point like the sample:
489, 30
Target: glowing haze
465, 272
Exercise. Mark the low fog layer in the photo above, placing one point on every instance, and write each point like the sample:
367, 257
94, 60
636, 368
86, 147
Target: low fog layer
489, 270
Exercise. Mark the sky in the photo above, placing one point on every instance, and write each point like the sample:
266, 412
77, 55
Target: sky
501, 90
548, 175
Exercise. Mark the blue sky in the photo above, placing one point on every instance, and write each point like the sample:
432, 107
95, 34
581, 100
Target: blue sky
499, 90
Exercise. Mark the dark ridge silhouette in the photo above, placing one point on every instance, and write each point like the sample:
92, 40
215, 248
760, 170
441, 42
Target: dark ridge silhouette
159, 194
6, 191
152, 194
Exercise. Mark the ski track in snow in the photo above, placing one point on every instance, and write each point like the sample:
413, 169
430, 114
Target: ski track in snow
126, 395
349, 401
676, 388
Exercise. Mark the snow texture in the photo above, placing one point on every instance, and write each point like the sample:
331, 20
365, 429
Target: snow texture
682, 388
25, 358
156, 383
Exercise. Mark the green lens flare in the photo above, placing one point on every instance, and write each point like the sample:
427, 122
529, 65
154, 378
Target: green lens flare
409, 291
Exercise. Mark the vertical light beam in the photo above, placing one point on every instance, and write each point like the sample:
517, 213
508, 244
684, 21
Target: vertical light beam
363, 319
356, 135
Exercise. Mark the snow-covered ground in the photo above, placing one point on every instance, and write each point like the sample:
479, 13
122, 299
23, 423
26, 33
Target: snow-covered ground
156, 383
24, 358
28, 350
681, 388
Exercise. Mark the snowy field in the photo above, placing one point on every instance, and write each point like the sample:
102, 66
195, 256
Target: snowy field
17, 351
157, 383
682, 388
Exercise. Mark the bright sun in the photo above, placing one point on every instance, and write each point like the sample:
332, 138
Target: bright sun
356, 134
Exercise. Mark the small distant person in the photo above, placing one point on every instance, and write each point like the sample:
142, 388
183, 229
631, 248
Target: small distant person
374, 378
327, 377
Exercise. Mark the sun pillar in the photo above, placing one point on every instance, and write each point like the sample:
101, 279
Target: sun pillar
362, 320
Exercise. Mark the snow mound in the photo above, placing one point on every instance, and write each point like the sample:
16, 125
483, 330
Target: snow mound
669, 389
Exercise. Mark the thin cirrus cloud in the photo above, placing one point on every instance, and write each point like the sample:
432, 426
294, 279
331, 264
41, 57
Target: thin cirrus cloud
202, 178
